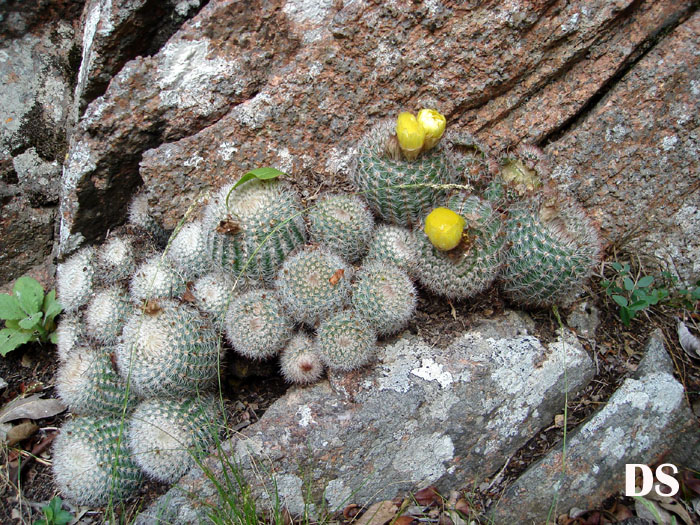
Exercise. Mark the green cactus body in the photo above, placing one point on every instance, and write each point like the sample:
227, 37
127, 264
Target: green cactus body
394, 245
91, 464
313, 284
115, 260
156, 278
140, 215
106, 314
346, 341
300, 361
69, 333
385, 296
401, 192
474, 264
188, 251
256, 325
75, 279
553, 250
260, 226
214, 292
343, 224
89, 384
167, 435
170, 350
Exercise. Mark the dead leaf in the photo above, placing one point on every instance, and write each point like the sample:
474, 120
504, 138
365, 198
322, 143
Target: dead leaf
643, 506
427, 496
689, 342
621, 512
690, 482
559, 420
228, 226
32, 407
406, 520
336, 277
351, 511
378, 514
21, 432
696, 505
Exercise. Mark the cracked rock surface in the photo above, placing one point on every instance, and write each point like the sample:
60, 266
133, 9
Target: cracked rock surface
294, 84
419, 416
645, 421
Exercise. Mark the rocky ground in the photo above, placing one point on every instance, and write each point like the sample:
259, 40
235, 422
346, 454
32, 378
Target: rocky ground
99, 99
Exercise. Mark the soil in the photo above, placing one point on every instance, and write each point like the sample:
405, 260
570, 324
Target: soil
249, 389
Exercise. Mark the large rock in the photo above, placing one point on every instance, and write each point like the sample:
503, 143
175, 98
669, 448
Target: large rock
35, 94
301, 81
645, 421
633, 159
421, 415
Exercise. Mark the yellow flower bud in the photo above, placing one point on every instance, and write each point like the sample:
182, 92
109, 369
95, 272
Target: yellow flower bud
444, 228
434, 125
410, 134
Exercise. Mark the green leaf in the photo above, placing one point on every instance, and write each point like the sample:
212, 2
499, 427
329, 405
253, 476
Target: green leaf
645, 281
9, 308
257, 173
51, 307
616, 266
696, 294
29, 323
53, 338
628, 283
639, 305
622, 301
11, 339
13, 325
29, 294
41, 522
626, 315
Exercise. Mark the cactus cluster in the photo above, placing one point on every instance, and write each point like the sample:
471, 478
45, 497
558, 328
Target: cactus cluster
141, 341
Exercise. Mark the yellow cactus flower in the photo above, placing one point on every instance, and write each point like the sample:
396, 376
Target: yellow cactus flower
444, 228
410, 134
433, 123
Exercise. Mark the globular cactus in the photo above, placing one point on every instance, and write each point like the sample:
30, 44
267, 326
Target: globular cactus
385, 296
343, 224
69, 333
167, 435
168, 350
474, 264
254, 232
394, 245
115, 259
106, 314
554, 248
346, 341
214, 292
400, 191
91, 462
256, 325
313, 284
75, 279
156, 278
88, 382
188, 251
300, 361
140, 215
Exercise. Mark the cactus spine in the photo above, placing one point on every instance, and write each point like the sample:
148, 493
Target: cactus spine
255, 230
156, 278
166, 435
474, 264
300, 361
214, 292
168, 350
400, 191
256, 326
75, 278
394, 245
343, 224
313, 283
106, 314
115, 259
554, 248
385, 296
346, 341
89, 384
91, 464
188, 251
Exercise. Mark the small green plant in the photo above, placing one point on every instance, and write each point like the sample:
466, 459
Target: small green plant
54, 514
29, 315
632, 293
